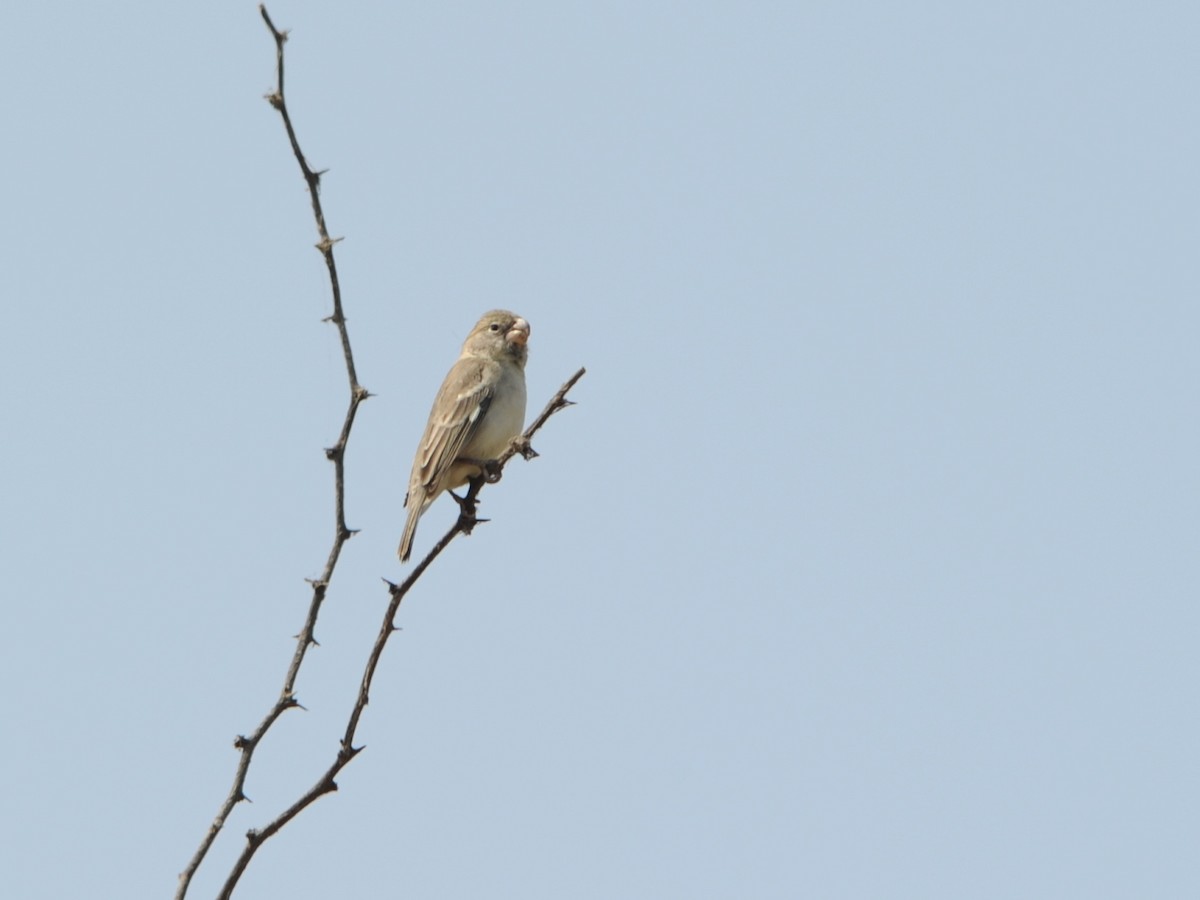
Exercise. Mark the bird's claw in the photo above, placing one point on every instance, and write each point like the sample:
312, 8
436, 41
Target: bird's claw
489, 469
467, 519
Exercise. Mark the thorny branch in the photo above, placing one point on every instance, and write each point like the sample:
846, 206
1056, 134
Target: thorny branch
246, 745
467, 520
346, 749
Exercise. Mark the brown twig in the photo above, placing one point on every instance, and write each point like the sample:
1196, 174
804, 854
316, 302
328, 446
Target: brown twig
246, 745
255, 838
466, 521
346, 749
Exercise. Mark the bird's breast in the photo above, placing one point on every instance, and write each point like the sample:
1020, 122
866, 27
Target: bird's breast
504, 419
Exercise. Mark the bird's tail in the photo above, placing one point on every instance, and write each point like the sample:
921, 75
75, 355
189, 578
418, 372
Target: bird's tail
410, 530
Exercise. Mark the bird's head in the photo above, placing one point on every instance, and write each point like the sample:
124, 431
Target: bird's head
499, 333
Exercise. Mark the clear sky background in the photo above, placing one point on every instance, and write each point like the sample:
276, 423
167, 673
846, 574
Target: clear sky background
865, 566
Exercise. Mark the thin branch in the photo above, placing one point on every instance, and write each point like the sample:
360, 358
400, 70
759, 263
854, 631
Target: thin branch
306, 638
467, 520
346, 750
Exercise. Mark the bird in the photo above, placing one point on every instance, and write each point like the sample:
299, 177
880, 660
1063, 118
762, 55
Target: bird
478, 410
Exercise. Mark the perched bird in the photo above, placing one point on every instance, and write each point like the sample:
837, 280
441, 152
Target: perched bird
479, 409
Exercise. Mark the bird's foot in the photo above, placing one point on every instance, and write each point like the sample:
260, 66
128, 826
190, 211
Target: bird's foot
467, 520
489, 468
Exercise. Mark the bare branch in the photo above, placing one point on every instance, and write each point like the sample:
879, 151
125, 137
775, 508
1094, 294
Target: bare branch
466, 522
246, 745
346, 749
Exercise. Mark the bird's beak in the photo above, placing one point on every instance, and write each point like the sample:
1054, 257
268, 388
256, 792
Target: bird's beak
519, 333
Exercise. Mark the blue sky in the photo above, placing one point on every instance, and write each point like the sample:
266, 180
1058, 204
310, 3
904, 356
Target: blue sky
865, 566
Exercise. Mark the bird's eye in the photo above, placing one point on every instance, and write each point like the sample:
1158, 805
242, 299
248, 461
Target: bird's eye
495, 326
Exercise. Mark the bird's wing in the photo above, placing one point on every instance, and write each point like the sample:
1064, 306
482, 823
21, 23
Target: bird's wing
461, 404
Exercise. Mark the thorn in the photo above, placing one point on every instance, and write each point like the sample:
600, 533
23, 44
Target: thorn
391, 584
467, 524
521, 445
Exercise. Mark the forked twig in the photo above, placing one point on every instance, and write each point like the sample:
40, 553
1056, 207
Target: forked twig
255, 838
